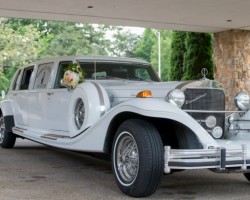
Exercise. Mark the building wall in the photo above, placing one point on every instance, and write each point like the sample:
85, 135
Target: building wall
232, 62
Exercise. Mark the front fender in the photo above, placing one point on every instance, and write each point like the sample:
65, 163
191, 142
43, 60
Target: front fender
160, 109
96, 137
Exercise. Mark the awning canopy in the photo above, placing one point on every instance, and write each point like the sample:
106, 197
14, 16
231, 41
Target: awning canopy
187, 15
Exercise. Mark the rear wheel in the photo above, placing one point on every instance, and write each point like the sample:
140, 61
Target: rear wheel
7, 139
137, 158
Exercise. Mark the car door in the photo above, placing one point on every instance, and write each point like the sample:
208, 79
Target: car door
38, 96
58, 102
48, 100
19, 94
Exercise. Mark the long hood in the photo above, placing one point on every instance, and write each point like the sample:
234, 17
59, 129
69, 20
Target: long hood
121, 90
129, 89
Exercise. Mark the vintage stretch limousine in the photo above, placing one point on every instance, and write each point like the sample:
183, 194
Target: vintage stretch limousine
119, 107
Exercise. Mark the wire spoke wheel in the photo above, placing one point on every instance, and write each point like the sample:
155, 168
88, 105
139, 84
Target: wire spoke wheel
127, 158
137, 158
79, 113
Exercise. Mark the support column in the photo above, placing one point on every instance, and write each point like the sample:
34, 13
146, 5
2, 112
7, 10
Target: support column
232, 62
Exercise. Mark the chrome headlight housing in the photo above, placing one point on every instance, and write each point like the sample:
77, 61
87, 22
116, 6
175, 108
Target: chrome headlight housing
176, 97
242, 101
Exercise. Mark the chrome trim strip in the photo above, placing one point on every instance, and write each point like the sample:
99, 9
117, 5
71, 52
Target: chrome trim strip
101, 98
213, 111
205, 88
183, 84
218, 158
18, 129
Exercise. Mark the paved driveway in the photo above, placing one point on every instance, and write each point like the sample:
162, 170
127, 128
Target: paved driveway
32, 171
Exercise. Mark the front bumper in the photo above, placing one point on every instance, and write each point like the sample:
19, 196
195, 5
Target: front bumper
220, 159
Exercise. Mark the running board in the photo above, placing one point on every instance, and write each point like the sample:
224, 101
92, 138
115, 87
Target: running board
54, 136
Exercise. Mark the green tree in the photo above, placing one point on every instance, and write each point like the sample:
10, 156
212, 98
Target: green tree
143, 49
178, 50
198, 55
122, 42
69, 41
78, 38
4, 82
165, 53
16, 49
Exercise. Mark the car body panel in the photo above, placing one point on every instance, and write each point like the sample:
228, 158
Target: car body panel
46, 113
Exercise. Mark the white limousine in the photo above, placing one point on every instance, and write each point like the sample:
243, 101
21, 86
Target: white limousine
119, 107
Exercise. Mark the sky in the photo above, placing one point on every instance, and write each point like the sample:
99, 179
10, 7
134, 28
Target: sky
136, 30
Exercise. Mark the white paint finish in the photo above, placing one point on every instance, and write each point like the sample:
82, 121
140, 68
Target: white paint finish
20, 102
54, 113
57, 114
48, 109
93, 138
6, 107
192, 15
93, 110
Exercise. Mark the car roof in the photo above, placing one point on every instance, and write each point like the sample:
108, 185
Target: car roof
90, 58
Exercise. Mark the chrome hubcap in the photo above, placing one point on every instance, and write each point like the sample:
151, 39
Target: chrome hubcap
127, 158
79, 113
2, 129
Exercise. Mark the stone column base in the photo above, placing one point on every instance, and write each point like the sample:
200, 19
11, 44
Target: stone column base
232, 62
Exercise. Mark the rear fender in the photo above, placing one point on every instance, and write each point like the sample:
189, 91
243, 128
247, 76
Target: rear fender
8, 114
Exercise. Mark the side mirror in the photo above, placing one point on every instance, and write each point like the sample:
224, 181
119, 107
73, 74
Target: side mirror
63, 84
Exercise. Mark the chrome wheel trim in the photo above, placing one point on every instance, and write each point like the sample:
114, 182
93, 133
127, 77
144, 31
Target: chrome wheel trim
79, 113
2, 129
126, 159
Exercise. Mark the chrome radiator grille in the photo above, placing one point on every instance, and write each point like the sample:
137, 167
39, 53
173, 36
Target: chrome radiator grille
205, 99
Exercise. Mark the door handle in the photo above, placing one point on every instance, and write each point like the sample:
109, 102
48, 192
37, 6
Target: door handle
50, 93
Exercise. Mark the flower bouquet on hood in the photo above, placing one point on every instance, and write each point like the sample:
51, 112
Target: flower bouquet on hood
73, 75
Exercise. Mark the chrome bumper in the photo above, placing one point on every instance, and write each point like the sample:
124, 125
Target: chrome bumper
219, 158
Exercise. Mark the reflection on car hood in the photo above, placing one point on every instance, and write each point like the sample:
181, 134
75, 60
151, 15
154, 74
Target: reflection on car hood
129, 89
121, 90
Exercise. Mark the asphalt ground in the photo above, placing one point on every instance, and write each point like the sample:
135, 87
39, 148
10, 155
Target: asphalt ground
32, 171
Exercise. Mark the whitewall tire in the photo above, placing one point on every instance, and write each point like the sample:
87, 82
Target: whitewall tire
137, 158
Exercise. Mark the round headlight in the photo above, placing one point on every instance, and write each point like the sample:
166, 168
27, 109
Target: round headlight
176, 97
211, 121
217, 132
242, 101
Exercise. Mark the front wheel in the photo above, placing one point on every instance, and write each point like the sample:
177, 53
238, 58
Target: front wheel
7, 139
137, 158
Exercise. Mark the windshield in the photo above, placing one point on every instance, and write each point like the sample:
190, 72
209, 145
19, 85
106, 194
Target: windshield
112, 70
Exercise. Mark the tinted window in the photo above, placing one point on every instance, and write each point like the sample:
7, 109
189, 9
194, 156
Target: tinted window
113, 70
26, 78
62, 68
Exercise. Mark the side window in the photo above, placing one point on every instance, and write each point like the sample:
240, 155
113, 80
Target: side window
61, 69
15, 80
26, 78
43, 75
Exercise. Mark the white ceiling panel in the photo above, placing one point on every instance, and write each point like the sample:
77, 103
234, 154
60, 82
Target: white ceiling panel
187, 15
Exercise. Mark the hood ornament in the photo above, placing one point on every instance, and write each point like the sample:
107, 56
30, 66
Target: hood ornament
204, 73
